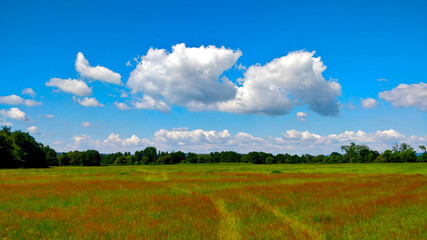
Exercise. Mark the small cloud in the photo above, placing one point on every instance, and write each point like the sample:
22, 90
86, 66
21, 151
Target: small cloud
7, 124
86, 124
88, 102
124, 95
97, 73
122, 106
31, 103
350, 106
301, 116
369, 103
73, 86
128, 64
49, 116
404, 95
17, 100
14, 113
33, 130
240, 67
382, 80
11, 100
29, 91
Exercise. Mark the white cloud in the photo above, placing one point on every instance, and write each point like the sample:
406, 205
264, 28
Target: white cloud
88, 102
412, 95
11, 100
301, 116
241, 67
193, 78
188, 77
122, 106
205, 141
31, 103
97, 73
83, 142
113, 143
276, 87
14, 113
368, 103
29, 91
148, 102
7, 124
17, 100
73, 86
123, 95
49, 116
128, 64
307, 142
350, 106
33, 130
86, 124
382, 80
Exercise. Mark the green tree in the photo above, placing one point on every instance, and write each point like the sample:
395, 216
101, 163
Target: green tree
26, 151
6, 149
63, 159
191, 158
423, 157
91, 158
51, 156
75, 158
269, 160
350, 151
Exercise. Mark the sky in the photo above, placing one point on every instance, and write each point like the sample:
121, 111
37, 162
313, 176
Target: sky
274, 76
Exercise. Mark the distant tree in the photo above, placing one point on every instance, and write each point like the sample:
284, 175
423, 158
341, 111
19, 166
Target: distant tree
63, 159
110, 158
319, 158
253, 157
335, 157
230, 156
177, 157
216, 156
75, 158
91, 158
350, 151
151, 153
124, 160
27, 152
167, 159
6, 149
204, 158
191, 158
423, 157
296, 159
269, 160
51, 156
404, 153
280, 158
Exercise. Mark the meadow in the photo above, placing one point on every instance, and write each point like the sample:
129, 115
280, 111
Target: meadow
216, 201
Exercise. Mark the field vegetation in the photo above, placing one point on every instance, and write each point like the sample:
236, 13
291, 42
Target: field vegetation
216, 201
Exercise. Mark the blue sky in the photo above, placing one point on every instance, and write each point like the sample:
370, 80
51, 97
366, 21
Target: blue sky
192, 95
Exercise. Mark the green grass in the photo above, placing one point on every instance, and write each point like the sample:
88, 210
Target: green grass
215, 201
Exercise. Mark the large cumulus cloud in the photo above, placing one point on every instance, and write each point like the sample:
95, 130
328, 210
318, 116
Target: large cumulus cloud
194, 78
276, 87
188, 77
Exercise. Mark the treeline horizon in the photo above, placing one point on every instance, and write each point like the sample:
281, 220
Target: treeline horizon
19, 149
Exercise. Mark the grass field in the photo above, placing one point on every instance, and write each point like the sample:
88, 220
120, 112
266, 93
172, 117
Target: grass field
216, 201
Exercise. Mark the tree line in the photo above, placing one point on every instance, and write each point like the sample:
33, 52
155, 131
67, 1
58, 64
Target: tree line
20, 150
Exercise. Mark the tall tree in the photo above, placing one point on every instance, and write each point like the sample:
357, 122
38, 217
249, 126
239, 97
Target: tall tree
350, 151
